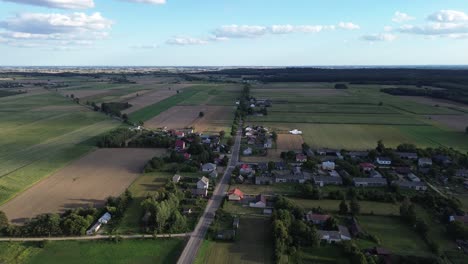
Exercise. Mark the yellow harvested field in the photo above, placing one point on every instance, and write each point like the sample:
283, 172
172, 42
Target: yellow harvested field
289, 142
87, 181
177, 117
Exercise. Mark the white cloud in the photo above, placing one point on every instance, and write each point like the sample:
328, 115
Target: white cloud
400, 17
348, 25
444, 23
379, 37
154, 2
52, 29
252, 31
448, 16
63, 4
185, 41
151, 46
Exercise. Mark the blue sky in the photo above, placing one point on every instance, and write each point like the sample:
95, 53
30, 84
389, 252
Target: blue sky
233, 32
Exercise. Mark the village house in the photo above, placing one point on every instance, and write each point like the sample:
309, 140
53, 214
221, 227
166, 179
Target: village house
366, 167
263, 180
262, 166
442, 159
176, 178
259, 202
407, 155
358, 154
418, 186
245, 169
288, 176
247, 152
280, 165
208, 167
268, 144
179, 145
235, 195
328, 165
335, 236
213, 174
383, 161
369, 182
424, 162
316, 219
240, 179
203, 183
179, 134
301, 158
375, 174
413, 177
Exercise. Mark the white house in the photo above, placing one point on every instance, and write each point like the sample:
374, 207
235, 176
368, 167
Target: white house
260, 202
328, 165
203, 183
247, 152
425, 162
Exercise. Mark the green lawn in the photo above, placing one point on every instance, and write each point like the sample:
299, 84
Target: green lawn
157, 108
253, 245
126, 251
280, 188
367, 207
394, 235
328, 254
17, 253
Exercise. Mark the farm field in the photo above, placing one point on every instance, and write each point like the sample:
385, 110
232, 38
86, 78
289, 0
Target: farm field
326, 254
358, 117
148, 98
394, 235
89, 180
126, 251
253, 245
215, 119
367, 207
40, 134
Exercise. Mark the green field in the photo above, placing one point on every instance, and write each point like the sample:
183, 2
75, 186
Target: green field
126, 251
332, 206
157, 108
41, 134
253, 245
394, 235
355, 118
327, 254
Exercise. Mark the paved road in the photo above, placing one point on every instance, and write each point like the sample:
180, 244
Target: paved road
96, 237
196, 239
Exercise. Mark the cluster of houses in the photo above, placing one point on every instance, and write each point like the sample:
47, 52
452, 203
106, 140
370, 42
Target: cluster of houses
186, 136
257, 201
257, 139
203, 184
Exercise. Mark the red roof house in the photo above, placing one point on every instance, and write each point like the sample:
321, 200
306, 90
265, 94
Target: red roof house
317, 219
301, 158
180, 145
367, 166
235, 195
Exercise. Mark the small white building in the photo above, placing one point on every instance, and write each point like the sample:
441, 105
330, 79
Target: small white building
105, 218
328, 165
176, 178
295, 132
247, 152
94, 229
383, 161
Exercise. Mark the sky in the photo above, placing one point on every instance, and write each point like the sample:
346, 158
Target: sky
233, 32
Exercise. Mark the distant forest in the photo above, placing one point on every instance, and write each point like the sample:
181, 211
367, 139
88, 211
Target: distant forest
454, 83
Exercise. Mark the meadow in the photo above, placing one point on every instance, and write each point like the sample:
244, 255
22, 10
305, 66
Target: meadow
252, 245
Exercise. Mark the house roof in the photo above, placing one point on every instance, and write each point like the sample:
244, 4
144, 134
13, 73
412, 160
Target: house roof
209, 166
384, 159
245, 166
176, 177
367, 165
407, 154
344, 231
310, 216
237, 192
179, 143
425, 160
301, 156
205, 180
327, 179
261, 198
334, 235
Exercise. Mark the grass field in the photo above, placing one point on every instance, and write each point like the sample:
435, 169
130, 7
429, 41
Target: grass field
127, 251
394, 235
327, 254
253, 245
367, 207
40, 134
283, 188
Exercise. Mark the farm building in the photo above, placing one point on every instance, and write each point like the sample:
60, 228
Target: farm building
335, 236
418, 186
317, 219
260, 202
327, 180
203, 183
366, 167
369, 182
94, 229
235, 195
105, 218
261, 180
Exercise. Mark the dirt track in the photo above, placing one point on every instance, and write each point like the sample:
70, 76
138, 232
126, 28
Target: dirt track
89, 180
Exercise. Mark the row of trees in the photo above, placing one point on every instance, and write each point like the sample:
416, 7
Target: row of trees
116, 138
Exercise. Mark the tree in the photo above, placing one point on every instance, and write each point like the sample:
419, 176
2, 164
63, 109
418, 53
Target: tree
343, 207
222, 134
201, 114
4, 224
274, 136
125, 117
380, 146
422, 227
354, 206
230, 142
